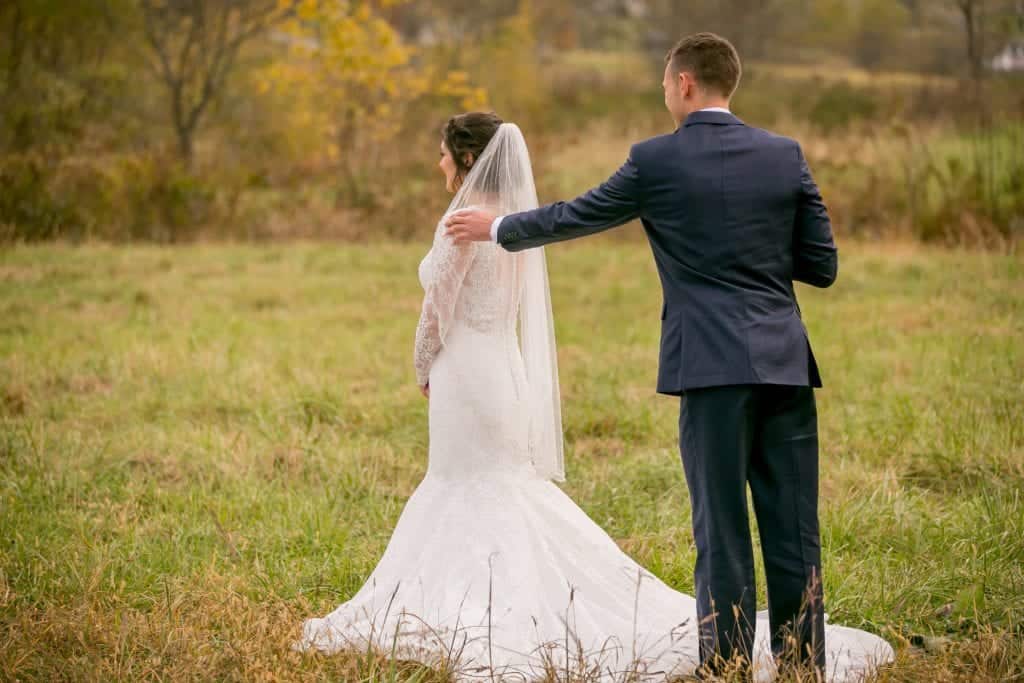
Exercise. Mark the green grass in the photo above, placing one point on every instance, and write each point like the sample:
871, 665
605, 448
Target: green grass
201, 446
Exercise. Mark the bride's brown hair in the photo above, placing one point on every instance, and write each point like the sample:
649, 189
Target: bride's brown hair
469, 133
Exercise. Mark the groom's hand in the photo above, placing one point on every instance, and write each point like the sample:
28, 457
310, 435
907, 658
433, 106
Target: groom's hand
470, 225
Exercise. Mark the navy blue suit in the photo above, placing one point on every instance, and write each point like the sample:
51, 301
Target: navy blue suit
733, 217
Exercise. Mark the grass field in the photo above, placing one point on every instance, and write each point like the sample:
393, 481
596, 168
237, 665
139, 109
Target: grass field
201, 446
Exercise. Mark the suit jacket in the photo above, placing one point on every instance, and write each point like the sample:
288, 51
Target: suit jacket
733, 217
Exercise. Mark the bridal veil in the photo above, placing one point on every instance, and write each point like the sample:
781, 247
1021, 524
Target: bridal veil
502, 180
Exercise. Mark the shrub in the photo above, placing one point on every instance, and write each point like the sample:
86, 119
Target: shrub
29, 210
969, 188
840, 104
114, 198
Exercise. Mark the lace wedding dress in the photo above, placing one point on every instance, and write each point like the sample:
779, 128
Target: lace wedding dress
492, 570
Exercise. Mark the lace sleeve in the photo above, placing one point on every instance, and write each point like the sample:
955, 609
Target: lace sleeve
450, 263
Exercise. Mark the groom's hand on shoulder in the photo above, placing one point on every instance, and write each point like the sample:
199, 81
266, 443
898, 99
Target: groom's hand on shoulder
469, 225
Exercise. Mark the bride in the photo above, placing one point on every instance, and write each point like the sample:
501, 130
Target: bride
492, 570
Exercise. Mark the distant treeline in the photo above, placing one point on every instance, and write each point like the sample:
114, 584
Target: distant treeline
277, 119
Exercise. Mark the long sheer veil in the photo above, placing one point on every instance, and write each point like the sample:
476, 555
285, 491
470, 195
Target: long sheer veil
502, 180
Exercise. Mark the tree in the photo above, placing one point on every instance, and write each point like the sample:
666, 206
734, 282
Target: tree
970, 11
881, 32
760, 29
987, 25
351, 78
194, 46
50, 67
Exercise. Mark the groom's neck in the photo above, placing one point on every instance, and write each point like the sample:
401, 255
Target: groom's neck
709, 102
703, 103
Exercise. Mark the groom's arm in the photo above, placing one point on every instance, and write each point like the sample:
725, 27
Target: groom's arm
815, 258
612, 203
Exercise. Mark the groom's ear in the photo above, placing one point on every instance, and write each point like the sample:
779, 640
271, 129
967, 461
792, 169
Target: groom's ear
687, 83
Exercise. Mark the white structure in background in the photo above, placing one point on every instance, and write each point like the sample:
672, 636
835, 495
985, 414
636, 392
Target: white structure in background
1010, 59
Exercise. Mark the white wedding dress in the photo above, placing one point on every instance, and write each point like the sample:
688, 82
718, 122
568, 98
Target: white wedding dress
492, 569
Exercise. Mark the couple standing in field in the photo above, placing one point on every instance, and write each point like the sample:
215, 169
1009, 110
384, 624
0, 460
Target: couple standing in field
492, 570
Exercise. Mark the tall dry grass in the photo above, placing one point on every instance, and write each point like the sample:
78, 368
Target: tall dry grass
203, 445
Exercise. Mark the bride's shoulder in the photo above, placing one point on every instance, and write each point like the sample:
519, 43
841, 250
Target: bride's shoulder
469, 207
440, 230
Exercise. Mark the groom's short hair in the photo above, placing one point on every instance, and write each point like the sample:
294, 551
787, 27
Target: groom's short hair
711, 59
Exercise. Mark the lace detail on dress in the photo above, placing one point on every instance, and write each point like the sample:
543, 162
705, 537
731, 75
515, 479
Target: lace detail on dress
442, 273
463, 283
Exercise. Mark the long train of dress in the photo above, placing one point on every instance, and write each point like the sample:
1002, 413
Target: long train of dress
507, 574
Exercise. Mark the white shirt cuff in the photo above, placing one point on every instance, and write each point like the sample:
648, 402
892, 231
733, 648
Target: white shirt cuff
494, 228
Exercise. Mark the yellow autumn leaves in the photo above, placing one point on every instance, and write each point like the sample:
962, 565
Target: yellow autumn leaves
349, 74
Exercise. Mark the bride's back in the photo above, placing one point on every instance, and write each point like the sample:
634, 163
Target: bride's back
487, 297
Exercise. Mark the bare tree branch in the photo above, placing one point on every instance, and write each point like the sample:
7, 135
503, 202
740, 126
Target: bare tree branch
205, 36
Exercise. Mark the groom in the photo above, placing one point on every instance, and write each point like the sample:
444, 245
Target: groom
734, 218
